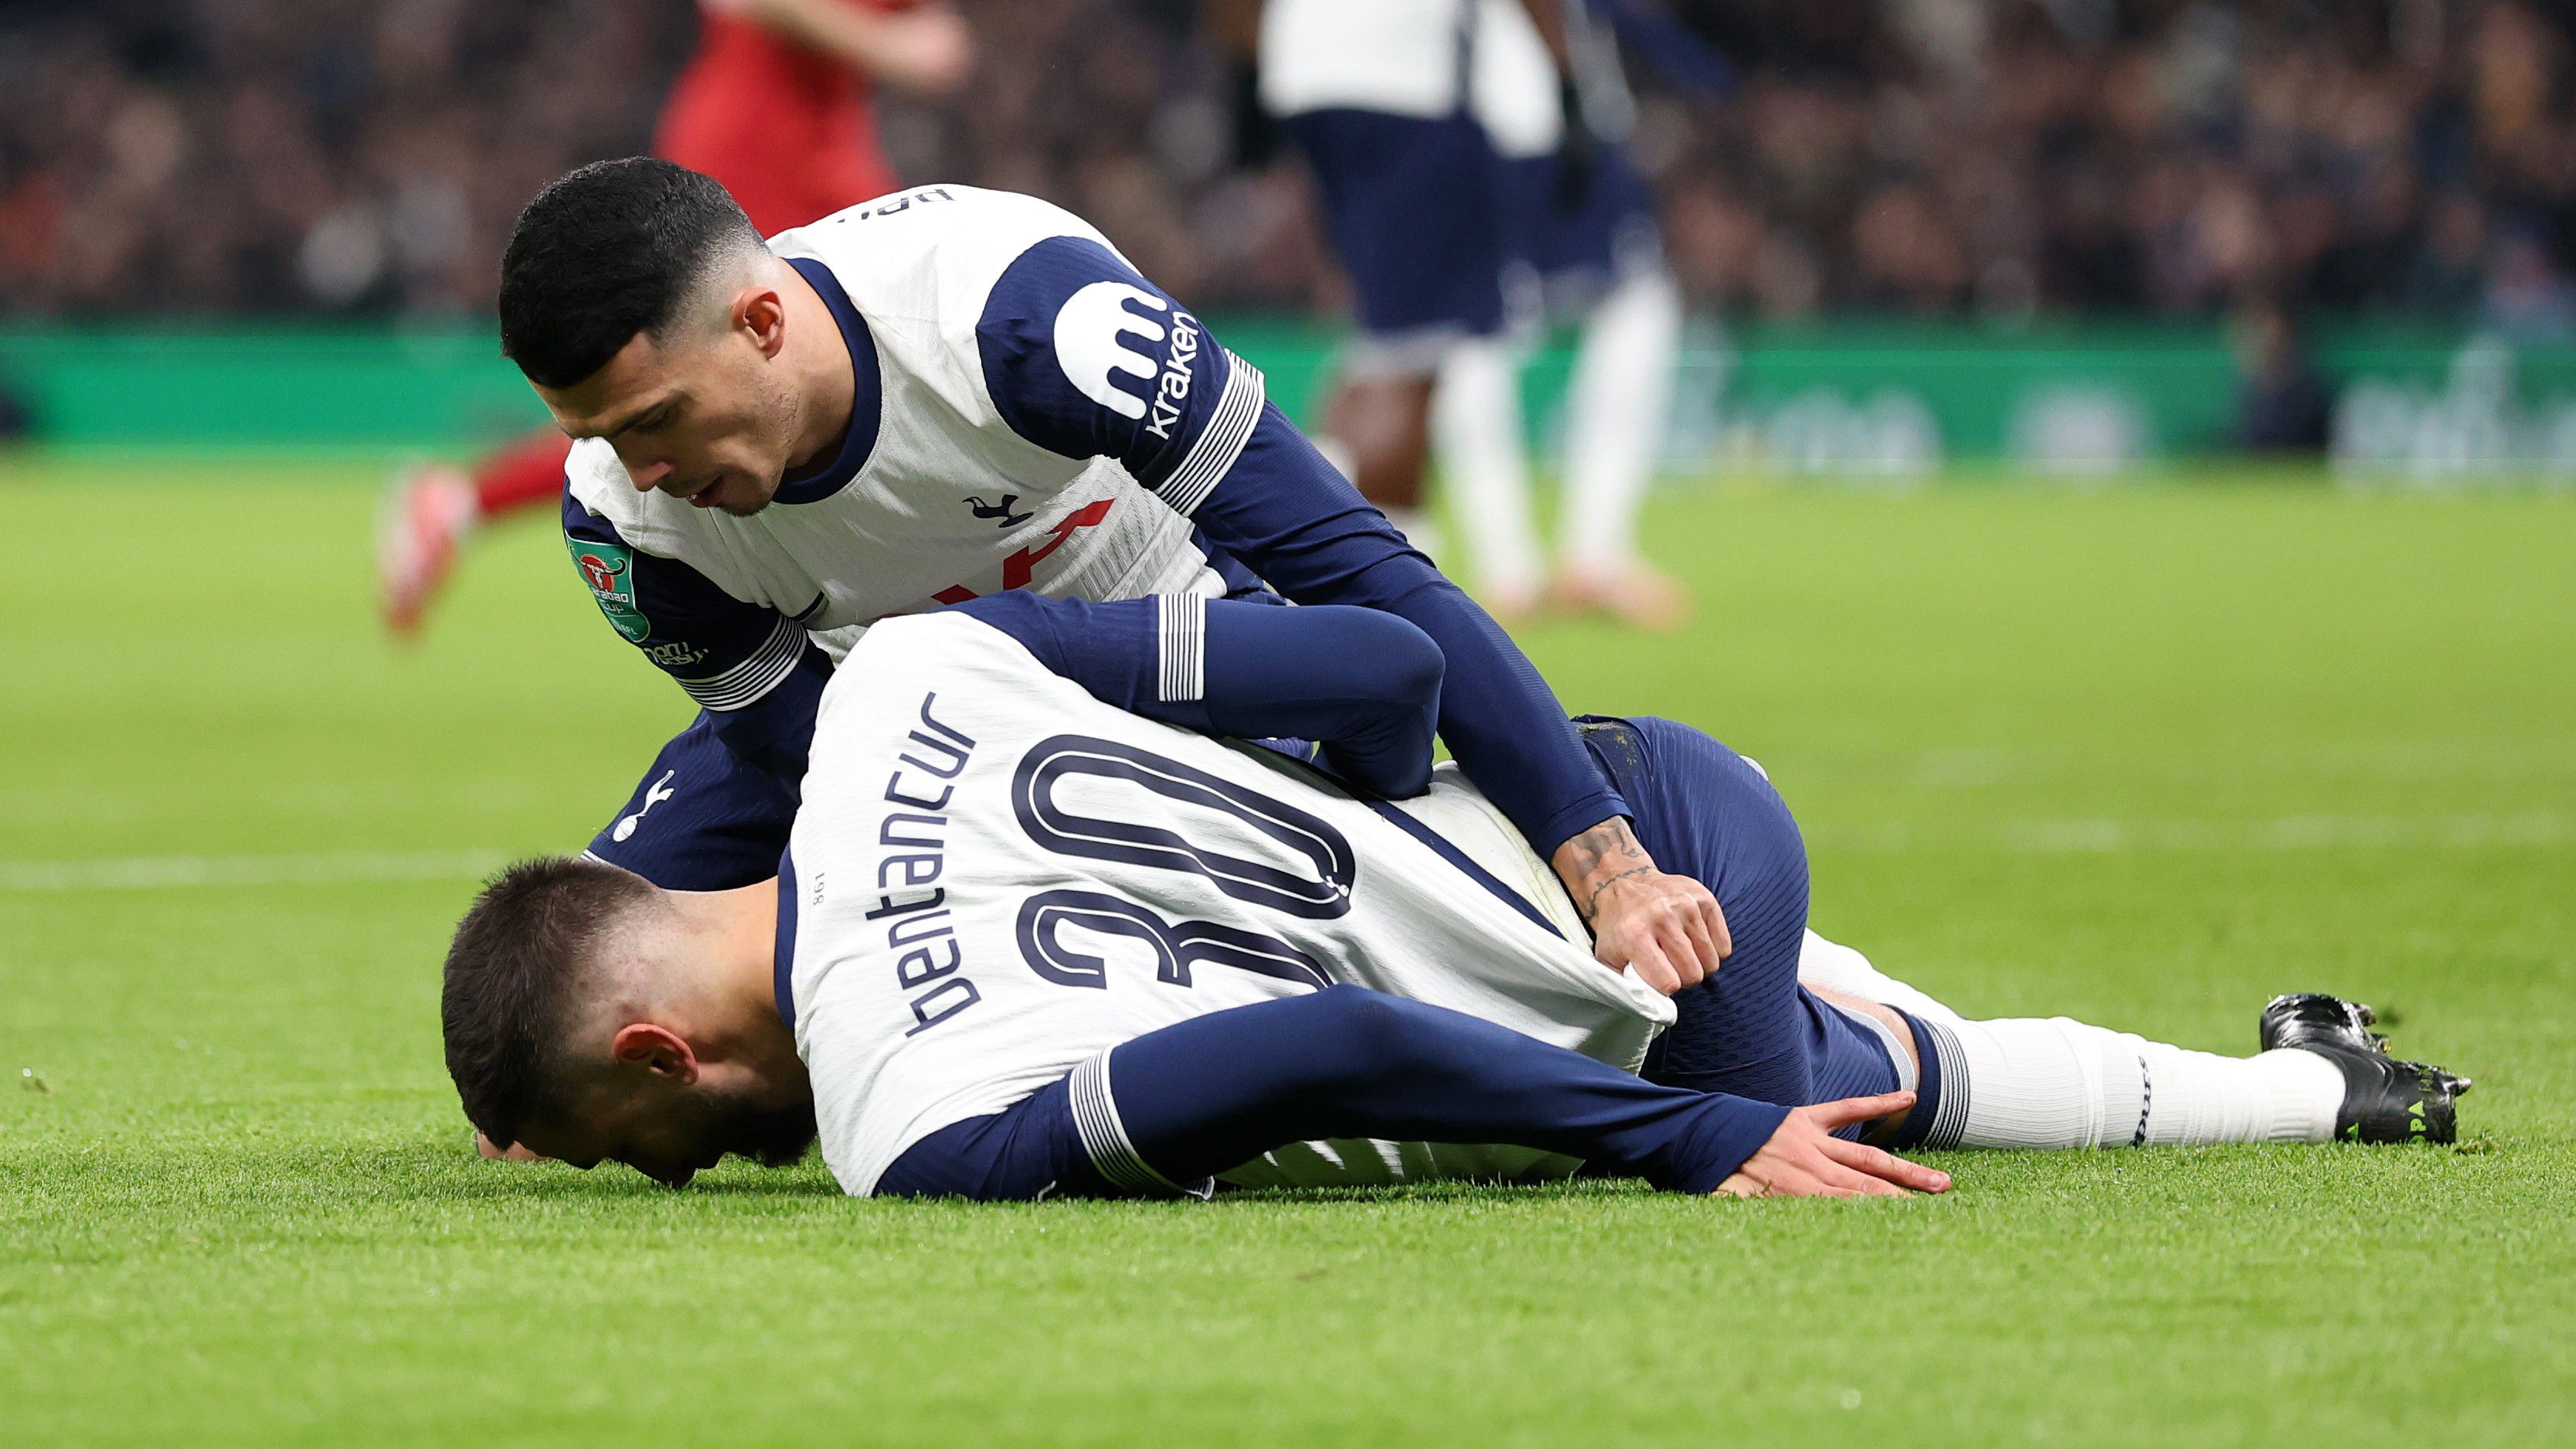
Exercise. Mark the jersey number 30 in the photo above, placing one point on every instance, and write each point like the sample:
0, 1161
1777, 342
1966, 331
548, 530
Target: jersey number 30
1322, 891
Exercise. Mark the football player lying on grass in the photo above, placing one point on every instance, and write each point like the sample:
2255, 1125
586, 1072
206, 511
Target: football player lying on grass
1041, 931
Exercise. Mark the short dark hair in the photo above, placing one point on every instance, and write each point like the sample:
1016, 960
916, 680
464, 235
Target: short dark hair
507, 1000
606, 252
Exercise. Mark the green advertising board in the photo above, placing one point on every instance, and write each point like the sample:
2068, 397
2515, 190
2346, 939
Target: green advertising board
1821, 397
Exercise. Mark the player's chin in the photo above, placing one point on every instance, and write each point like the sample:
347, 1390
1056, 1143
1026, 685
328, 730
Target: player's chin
742, 497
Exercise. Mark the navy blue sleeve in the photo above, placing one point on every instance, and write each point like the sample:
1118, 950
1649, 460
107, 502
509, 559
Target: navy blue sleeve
1031, 1150
1172, 1108
1240, 582
753, 669
1290, 516
701, 819
1365, 683
1084, 357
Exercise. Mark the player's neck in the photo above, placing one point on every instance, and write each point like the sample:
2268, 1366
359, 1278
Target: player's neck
825, 379
737, 938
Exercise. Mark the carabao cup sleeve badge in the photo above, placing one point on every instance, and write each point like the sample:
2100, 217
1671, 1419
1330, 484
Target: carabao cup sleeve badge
609, 569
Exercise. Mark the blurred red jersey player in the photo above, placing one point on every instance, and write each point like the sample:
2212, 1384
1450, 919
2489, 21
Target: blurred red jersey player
774, 103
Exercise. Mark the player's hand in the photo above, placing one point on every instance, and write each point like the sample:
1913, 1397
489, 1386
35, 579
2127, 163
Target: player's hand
1805, 1159
1666, 928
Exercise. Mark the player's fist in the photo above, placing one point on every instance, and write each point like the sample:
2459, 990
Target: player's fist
1805, 1159
1666, 928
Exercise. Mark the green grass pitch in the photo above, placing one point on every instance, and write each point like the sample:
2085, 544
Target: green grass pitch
2143, 755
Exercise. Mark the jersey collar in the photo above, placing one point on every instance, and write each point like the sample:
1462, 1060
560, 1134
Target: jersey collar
783, 957
867, 395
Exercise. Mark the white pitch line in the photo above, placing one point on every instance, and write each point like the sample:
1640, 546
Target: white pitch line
2283, 833
157, 872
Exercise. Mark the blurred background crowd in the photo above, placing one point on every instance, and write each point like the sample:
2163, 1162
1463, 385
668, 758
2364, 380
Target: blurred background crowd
1946, 157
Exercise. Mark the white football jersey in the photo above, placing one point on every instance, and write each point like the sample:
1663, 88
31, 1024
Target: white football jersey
1398, 57
997, 878
1031, 414
1422, 58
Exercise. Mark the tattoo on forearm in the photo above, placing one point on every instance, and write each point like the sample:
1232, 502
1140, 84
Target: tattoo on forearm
1605, 853
1592, 902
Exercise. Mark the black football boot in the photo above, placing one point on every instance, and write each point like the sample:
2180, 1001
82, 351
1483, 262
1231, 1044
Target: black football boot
2302, 1017
2384, 1100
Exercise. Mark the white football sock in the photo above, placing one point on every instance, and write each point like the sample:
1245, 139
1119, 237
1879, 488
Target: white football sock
1476, 423
1615, 406
2031, 1083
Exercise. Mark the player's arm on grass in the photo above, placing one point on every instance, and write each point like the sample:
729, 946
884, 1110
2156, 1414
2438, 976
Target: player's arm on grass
751, 668
1167, 1111
1364, 683
1083, 356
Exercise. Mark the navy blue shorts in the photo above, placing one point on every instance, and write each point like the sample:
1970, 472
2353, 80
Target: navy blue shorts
1580, 247
1706, 812
1415, 210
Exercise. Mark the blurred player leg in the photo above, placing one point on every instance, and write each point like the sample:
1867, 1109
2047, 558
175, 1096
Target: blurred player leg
1409, 207
1602, 259
1377, 430
1484, 460
1615, 406
1480, 426
431, 510
527, 474
1374, 96
1585, 224
422, 521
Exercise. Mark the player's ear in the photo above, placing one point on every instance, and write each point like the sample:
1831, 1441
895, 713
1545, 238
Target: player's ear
762, 313
657, 1050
